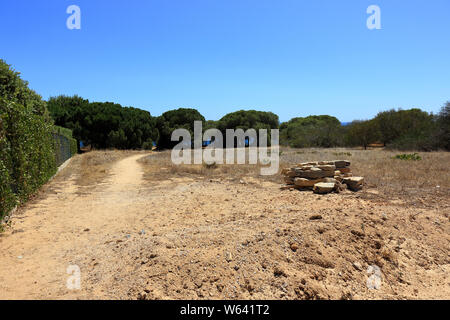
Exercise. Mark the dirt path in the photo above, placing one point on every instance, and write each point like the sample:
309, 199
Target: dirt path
66, 228
198, 238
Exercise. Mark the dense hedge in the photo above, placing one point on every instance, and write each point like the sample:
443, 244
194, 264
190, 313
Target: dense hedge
27, 145
7, 198
27, 157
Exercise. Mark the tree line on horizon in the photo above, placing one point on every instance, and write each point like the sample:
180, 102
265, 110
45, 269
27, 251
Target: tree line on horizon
109, 125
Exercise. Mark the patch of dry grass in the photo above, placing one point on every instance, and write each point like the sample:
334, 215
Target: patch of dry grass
385, 177
159, 166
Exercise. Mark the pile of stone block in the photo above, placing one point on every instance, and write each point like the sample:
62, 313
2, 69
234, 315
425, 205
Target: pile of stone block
322, 177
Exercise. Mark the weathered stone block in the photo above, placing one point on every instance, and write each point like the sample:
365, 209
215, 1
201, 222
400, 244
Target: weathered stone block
313, 163
326, 163
341, 163
302, 182
354, 183
323, 187
327, 167
345, 170
314, 173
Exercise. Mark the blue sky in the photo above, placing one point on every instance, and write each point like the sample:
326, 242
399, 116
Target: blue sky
294, 58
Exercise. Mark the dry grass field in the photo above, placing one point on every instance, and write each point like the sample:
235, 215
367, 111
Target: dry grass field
141, 228
386, 178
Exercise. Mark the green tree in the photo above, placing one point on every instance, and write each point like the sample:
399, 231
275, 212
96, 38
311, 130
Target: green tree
249, 119
104, 124
443, 127
312, 131
68, 112
362, 133
182, 118
406, 129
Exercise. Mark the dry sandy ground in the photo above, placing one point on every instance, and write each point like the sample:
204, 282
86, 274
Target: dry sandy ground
188, 238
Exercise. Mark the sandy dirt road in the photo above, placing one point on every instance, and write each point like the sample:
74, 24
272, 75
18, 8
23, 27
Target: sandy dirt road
192, 238
65, 229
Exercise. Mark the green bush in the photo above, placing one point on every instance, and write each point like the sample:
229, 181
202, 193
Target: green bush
27, 146
27, 158
411, 156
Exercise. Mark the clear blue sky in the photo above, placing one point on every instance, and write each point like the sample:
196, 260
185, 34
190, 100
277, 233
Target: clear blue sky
294, 58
